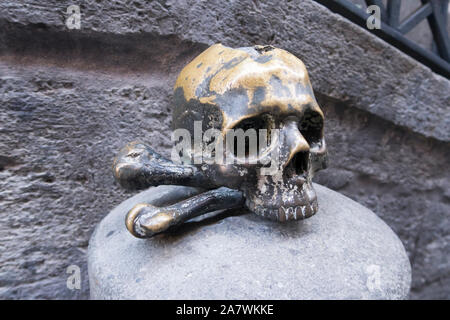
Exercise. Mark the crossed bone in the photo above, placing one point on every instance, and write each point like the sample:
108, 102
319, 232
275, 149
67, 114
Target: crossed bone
137, 166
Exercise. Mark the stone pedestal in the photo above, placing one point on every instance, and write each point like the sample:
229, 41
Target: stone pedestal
343, 252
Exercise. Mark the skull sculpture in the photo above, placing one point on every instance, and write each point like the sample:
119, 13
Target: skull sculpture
227, 89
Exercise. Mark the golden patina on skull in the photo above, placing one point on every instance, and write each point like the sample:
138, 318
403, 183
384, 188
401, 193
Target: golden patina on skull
261, 88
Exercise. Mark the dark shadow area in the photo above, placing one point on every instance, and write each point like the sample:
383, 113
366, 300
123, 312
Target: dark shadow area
177, 232
129, 53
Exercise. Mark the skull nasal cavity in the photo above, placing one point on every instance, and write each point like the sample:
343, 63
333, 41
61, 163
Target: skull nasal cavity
298, 164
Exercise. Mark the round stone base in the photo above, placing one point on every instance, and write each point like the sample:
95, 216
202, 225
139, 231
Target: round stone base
343, 252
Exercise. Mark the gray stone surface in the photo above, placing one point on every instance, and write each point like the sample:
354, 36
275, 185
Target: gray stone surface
71, 98
343, 252
345, 61
399, 175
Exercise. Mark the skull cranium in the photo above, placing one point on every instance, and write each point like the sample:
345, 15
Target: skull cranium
259, 87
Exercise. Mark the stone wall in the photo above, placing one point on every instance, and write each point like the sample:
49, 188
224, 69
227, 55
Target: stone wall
71, 98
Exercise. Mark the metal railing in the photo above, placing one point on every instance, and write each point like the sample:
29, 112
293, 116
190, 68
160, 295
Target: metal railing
393, 30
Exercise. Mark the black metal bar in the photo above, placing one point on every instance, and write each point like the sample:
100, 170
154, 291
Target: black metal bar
393, 12
390, 35
415, 18
444, 5
439, 30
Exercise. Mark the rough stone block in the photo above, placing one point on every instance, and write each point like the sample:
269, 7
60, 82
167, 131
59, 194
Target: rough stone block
343, 252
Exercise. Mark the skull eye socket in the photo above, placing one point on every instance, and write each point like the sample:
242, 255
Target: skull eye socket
311, 127
252, 136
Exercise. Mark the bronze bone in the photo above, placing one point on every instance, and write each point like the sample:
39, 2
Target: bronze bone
137, 166
223, 88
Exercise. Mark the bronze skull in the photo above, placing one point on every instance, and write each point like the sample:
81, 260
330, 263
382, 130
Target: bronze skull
228, 90
259, 87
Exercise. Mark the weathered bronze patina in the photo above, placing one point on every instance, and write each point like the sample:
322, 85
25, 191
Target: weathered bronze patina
258, 87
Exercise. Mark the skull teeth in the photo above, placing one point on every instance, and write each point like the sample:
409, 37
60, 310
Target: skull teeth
283, 202
285, 213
